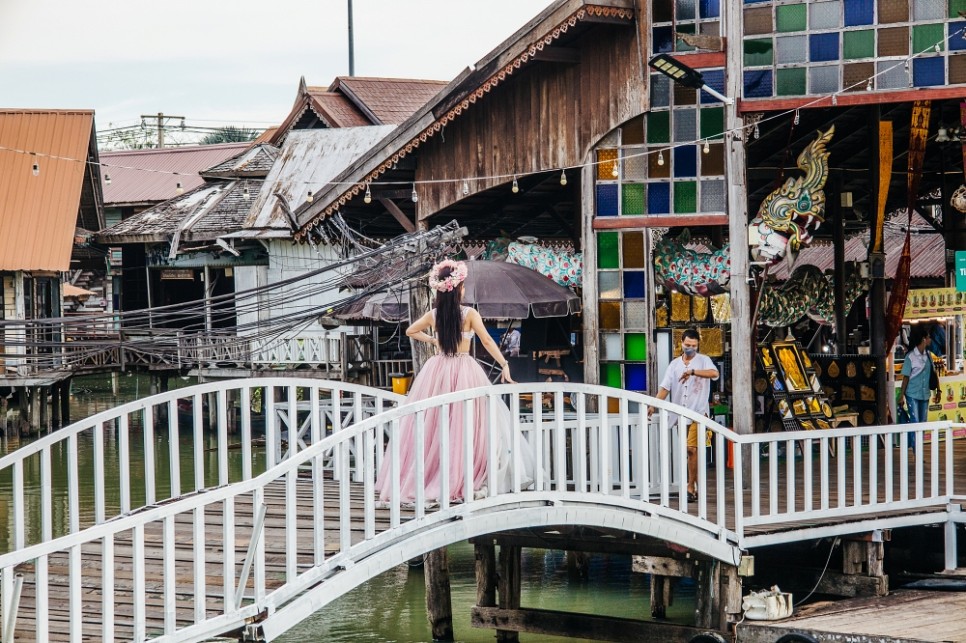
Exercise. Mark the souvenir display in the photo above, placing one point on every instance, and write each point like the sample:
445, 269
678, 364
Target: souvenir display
798, 394
849, 380
712, 341
787, 356
680, 307
699, 312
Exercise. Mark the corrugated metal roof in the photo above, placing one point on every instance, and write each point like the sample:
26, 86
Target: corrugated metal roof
151, 176
390, 100
204, 213
256, 161
38, 214
308, 160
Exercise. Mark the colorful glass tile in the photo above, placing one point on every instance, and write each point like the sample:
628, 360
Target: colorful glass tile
712, 163
686, 10
610, 375
709, 8
660, 91
632, 245
758, 21
925, 37
662, 40
928, 10
685, 161
684, 95
612, 347
659, 127
713, 78
658, 198
679, 42
685, 125
859, 12
635, 165
928, 72
662, 10
825, 15
957, 70
656, 170
858, 44
893, 11
791, 49
856, 75
632, 199
957, 36
956, 8
635, 314
634, 284
609, 285
790, 81
823, 80
711, 28
891, 75
790, 17
758, 83
712, 122
713, 197
685, 197
635, 347
758, 52
607, 256
610, 315
632, 132
636, 375
894, 41
607, 200
606, 161
823, 47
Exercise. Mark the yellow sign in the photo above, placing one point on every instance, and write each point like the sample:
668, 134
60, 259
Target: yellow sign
949, 402
934, 302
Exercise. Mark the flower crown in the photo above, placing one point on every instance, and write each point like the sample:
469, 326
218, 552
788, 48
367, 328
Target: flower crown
456, 276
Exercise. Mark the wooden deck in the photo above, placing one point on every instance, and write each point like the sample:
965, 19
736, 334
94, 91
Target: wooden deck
274, 539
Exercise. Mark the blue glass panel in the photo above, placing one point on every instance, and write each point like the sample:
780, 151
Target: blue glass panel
957, 36
714, 79
633, 285
858, 12
710, 8
686, 161
607, 200
658, 198
823, 46
635, 377
755, 1
758, 84
928, 71
662, 39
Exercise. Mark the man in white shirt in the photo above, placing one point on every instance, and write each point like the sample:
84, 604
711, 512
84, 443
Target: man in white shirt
688, 382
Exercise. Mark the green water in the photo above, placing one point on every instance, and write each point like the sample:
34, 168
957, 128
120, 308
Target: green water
391, 607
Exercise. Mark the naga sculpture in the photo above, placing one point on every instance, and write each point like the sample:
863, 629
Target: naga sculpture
688, 271
790, 215
807, 292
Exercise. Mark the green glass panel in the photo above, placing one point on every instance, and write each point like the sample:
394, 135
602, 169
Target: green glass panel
791, 82
859, 44
791, 17
712, 122
635, 347
610, 375
956, 7
758, 52
926, 36
632, 198
607, 250
659, 127
685, 197
679, 44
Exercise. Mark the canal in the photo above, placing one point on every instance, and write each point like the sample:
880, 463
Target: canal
391, 608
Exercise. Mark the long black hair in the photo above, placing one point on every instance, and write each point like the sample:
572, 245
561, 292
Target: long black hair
449, 319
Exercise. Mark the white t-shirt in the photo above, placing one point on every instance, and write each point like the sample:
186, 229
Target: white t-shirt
692, 394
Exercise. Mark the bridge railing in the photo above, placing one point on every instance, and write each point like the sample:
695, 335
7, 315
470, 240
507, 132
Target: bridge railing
108, 473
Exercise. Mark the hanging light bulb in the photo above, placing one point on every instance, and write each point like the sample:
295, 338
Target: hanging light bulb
797, 118
466, 188
368, 197
660, 157
938, 48
905, 65
415, 197
868, 86
516, 186
757, 132
615, 170
245, 193
309, 197
563, 177
35, 168
107, 179
178, 188
707, 147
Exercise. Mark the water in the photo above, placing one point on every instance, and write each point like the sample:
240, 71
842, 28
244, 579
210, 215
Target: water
390, 608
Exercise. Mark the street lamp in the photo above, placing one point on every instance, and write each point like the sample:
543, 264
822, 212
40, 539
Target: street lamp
681, 73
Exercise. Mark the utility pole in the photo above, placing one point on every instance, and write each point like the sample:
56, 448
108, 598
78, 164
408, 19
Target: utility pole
161, 121
352, 55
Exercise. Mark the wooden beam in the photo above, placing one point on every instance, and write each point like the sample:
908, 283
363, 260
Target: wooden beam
558, 55
746, 106
584, 626
658, 221
398, 214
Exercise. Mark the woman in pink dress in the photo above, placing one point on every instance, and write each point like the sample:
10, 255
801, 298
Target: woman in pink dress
454, 369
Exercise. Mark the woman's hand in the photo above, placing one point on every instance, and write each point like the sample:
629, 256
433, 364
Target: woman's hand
505, 374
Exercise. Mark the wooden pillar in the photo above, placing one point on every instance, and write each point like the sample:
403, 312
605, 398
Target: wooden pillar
485, 574
439, 608
44, 407
662, 595
509, 585
36, 401
65, 401
55, 392
4, 406
23, 408
718, 595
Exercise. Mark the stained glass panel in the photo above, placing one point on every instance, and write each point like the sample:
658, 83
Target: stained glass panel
925, 37
858, 44
610, 315
610, 375
659, 127
928, 9
928, 72
632, 199
633, 247
685, 124
658, 198
612, 348
633, 284
758, 21
823, 47
635, 314
660, 90
790, 17
758, 84
791, 81
606, 160
636, 375
791, 49
685, 197
823, 80
635, 165
894, 41
607, 256
858, 12
635, 346
713, 197
609, 285
686, 161
893, 11
891, 75
825, 15
758, 52
607, 200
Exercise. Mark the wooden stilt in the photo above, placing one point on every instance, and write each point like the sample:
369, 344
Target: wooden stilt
65, 401
23, 408
438, 605
36, 401
718, 596
4, 407
485, 574
509, 586
43, 408
661, 595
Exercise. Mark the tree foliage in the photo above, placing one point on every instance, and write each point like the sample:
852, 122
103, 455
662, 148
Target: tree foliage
230, 134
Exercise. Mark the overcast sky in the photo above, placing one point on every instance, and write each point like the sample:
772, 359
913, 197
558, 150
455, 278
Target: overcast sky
230, 61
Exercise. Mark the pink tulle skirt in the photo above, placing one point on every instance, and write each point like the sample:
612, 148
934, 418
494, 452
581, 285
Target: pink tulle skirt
440, 375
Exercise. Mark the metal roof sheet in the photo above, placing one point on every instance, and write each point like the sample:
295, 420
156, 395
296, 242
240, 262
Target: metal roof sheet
308, 160
151, 176
38, 214
256, 161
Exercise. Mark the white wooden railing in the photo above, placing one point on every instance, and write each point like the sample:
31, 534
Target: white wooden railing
599, 468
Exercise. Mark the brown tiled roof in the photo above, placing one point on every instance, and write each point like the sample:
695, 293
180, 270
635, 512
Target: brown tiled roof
151, 176
335, 109
38, 214
390, 100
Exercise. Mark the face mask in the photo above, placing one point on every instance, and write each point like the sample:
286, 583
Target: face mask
689, 351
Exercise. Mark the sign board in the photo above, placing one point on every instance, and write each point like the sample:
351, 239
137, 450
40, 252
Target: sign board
960, 270
178, 273
924, 303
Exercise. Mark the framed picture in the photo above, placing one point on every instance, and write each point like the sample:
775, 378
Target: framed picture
793, 370
767, 360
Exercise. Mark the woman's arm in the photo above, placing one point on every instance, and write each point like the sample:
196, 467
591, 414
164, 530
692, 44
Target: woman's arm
476, 323
417, 330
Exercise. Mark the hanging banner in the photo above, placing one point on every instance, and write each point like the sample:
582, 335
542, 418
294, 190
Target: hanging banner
924, 303
885, 176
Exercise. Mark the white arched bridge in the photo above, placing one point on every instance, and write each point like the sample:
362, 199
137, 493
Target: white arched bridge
276, 515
